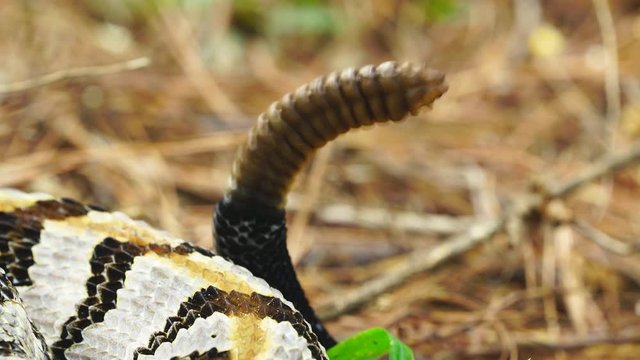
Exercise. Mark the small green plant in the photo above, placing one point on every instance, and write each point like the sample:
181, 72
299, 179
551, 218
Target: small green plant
370, 345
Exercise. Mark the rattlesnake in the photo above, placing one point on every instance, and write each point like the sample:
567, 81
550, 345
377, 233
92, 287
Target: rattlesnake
79, 282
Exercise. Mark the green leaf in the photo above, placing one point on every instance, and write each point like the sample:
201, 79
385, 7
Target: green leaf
441, 9
370, 345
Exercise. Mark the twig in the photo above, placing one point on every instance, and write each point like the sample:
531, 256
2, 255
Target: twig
509, 345
180, 39
426, 259
603, 240
607, 165
73, 73
300, 243
627, 266
527, 16
571, 97
482, 192
549, 280
611, 80
418, 261
23, 168
611, 72
385, 219
566, 342
582, 309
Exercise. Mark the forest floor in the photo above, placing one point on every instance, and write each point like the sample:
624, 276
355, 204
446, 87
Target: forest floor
501, 224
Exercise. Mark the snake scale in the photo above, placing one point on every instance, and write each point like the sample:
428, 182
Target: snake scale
78, 282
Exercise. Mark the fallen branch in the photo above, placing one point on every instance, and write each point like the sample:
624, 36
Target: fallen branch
427, 259
418, 261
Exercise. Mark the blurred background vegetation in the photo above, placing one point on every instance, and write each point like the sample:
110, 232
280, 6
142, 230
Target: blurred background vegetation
538, 90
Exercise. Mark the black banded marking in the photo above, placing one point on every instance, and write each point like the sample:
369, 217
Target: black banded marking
20, 231
254, 237
110, 262
212, 354
7, 291
206, 302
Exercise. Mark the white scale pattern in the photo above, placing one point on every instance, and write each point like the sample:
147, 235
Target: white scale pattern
290, 344
15, 327
61, 262
153, 290
198, 337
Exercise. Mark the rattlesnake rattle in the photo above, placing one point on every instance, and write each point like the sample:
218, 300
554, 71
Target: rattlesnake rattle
78, 282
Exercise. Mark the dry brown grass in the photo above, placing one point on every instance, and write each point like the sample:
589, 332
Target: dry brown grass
560, 280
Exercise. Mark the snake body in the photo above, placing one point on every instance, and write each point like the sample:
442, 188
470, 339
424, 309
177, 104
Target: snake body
78, 282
